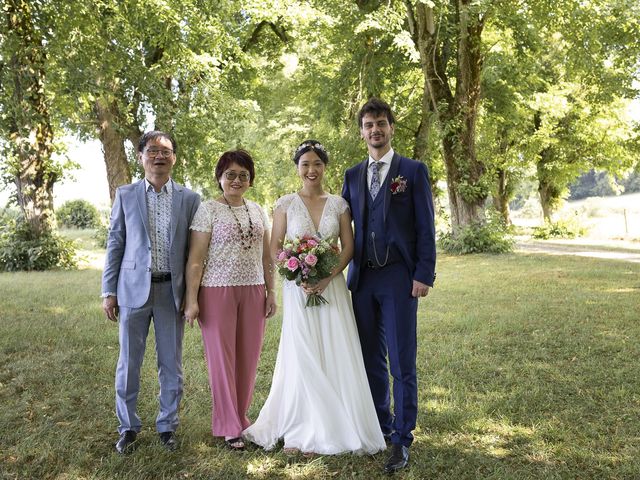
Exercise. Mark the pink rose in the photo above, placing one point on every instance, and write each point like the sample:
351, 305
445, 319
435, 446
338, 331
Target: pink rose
311, 259
292, 264
312, 243
282, 256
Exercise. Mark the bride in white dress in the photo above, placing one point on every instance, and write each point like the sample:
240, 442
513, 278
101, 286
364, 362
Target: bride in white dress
320, 400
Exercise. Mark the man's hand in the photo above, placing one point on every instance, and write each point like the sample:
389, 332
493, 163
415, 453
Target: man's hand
419, 289
110, 307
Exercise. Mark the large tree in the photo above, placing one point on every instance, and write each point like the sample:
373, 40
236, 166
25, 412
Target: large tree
448, 38
25, 123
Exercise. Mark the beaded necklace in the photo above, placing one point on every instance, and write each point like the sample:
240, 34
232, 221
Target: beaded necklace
245, 238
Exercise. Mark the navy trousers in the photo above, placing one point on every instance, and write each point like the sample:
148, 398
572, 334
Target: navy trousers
386, 315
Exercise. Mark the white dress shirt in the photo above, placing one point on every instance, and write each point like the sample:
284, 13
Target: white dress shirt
383, 168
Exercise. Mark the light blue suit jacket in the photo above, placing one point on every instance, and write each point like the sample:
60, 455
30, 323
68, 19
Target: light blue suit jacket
127, 268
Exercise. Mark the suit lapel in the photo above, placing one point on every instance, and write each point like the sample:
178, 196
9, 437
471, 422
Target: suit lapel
363, 188
391, 174
176, 207
141, 196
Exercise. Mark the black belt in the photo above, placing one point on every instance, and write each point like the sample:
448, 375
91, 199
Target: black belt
373, 266
160, 277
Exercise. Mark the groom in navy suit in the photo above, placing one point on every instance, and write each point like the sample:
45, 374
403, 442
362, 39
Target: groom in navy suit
393, 265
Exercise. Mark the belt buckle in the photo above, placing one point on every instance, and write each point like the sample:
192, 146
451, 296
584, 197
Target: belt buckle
371, 265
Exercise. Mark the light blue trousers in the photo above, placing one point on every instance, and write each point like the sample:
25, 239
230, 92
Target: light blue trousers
168, 326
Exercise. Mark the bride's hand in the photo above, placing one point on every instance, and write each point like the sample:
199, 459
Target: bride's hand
316, 288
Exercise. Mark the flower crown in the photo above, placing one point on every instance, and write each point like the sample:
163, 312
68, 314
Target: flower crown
314, 146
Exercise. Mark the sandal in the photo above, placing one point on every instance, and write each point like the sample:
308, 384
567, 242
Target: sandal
236, 443
291, 452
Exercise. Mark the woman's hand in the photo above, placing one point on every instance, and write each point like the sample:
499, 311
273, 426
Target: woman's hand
191, 312
270, 304
316, 288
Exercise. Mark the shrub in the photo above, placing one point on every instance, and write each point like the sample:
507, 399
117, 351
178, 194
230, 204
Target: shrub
7, 215
564, 228
21, 250
101, 234
490, 236
78, 214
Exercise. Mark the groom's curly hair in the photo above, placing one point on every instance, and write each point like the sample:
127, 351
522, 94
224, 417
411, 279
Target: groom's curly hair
376, 107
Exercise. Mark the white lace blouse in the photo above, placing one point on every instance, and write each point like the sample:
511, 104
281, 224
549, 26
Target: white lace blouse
227, 263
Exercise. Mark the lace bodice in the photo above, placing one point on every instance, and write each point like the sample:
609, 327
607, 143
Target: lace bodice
299, 220
228, 264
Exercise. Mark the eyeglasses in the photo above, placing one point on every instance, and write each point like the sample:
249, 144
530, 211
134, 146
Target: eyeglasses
154, 152
231, 176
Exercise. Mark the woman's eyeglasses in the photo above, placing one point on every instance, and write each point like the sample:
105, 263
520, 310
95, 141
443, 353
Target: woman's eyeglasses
231, 176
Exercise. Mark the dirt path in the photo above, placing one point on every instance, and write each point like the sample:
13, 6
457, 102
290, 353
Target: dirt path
608, 250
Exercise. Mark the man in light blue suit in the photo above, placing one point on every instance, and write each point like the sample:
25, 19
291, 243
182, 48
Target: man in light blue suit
393, 265
143, 280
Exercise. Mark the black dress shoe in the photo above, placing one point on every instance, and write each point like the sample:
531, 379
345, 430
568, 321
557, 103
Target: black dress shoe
398, 460
169, 441
125, 442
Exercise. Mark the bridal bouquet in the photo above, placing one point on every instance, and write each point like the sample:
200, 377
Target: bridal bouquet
308, 259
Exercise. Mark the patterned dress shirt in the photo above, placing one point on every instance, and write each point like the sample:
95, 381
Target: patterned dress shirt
159, 212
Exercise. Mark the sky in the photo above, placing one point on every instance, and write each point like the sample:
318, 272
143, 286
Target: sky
89, 182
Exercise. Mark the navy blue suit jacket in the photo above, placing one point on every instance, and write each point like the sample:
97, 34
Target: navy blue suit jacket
408, 217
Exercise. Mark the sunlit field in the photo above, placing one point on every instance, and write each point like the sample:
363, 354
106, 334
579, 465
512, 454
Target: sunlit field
607, 218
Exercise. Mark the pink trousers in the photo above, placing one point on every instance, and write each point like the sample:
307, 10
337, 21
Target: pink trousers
232, 321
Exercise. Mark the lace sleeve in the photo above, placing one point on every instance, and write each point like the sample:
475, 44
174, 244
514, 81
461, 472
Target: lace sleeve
203, 218
283, 202
343, 206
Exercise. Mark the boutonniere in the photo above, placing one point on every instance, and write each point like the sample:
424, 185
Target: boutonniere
398, 184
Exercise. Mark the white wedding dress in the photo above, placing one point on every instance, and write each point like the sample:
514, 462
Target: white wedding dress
320, 399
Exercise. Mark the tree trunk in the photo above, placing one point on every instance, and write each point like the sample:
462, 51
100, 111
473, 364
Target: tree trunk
456, 114
545, 201
502, 196
115, 156
31, 134
464, 210
550, 194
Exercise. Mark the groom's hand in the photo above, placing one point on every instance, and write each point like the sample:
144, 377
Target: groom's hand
419, 289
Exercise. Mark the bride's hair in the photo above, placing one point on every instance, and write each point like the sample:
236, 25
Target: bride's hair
309, 145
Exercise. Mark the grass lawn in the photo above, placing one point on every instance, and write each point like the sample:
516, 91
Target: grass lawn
528, 369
